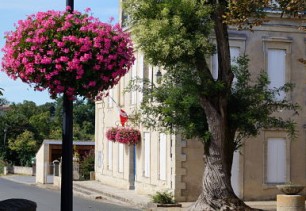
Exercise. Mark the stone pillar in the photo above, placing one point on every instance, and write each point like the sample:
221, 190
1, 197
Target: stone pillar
56, 170
92, 175
76, 168
131, 166
290, 203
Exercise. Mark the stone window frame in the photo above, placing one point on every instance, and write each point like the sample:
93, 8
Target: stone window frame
159, 156
110, 163
144, 156
235, 41
119, 160
275, 134
279, 43
133, 93
111, 96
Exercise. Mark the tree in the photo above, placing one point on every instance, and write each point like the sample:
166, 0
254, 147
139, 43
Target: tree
176, 34
84, 121
25, 147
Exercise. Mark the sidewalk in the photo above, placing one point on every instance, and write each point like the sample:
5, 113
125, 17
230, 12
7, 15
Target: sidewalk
95, 190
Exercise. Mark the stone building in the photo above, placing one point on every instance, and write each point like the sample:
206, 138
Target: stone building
170, 162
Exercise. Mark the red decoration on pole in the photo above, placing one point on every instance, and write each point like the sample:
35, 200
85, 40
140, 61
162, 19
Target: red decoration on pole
123, 117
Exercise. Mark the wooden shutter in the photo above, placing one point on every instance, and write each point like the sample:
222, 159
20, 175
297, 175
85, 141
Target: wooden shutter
277, 69
162, 156
147, 154
120, 157
276, 160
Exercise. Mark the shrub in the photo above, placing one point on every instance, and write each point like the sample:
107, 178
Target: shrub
163, 198
2, 164
87, 165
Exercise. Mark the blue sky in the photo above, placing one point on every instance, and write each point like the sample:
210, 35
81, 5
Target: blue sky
13, 10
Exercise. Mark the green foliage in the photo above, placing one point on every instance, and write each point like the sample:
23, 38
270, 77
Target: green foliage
25, 147
84, 120
178, 29
163, 198
176, 34
87, 165
246, 14
43, 122
252, 105
2, 165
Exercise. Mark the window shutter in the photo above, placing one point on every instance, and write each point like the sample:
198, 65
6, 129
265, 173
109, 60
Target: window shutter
162, 156
110, 155
120, 157
147, 149
277, 69
276, 160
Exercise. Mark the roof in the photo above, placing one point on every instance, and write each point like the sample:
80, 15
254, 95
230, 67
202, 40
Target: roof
79, 143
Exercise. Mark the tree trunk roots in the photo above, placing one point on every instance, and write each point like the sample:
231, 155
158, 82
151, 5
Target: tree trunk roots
234, 204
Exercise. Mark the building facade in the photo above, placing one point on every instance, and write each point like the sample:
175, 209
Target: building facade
169, 162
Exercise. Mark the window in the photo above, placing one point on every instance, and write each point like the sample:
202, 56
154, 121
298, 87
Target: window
110, 155
121, 91
276, 67
276, 170
214, 69
277, 51
141, 74
133, 77
120, 157
235, 179
147, 149
162, 156
110, 102
234, 51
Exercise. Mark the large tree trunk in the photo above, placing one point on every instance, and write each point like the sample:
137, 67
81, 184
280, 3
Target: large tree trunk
217, 191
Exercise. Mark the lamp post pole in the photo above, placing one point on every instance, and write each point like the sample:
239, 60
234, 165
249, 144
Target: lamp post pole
67, 146
70, 3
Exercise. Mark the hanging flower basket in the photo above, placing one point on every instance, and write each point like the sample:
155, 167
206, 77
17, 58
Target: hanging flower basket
128, 136
111, 134
70, 53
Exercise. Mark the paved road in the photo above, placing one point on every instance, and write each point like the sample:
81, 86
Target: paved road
49, 200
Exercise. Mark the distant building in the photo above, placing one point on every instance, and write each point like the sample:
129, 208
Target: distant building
51, 150
4, 108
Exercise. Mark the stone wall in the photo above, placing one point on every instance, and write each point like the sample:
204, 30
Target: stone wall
19, 170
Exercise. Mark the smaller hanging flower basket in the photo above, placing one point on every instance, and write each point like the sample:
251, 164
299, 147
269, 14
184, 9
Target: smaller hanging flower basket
128, 136
111, 134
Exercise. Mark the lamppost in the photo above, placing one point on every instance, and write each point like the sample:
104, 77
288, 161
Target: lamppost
67, 145
158, 76
4, 139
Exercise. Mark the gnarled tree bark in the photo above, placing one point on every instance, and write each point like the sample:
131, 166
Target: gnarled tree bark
217, 191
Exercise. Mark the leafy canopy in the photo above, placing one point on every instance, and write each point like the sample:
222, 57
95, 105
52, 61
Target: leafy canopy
175, 104
179, 36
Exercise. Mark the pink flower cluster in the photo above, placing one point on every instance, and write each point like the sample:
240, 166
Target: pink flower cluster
111, 134
128, 136
71, 53
123, 135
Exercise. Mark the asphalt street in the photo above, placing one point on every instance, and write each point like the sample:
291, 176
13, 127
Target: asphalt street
49, 200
